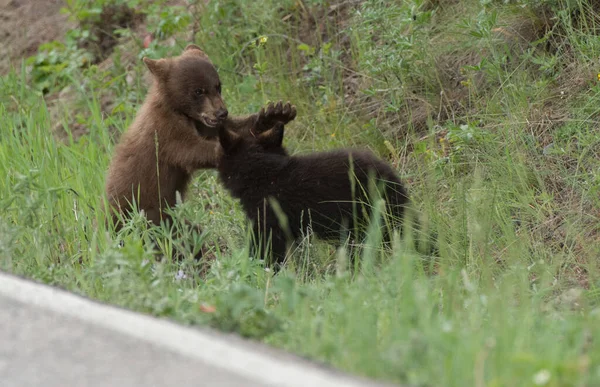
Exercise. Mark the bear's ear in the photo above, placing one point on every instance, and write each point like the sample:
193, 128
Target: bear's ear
193, 49
272, 138
159, 68
228, 139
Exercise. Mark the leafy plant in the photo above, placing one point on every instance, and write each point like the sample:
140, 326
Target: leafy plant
56, 63
242, 309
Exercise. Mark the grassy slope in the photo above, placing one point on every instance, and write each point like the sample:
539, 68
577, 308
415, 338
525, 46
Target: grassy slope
501, 155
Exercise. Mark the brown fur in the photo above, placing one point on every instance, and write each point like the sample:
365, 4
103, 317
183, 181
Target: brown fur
174, 134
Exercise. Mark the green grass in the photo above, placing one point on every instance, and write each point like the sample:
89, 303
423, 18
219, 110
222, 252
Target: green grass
496, 137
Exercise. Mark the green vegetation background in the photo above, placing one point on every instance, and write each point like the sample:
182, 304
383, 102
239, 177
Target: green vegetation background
488, 110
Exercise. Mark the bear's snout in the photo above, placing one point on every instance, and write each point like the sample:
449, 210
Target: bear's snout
221, 114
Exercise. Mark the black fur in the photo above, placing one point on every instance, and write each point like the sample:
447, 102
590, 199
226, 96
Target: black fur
314, 189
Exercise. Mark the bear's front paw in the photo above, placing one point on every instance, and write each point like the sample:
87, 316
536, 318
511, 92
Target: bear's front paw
274, 113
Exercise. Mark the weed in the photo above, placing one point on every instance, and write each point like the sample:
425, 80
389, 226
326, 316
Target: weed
488, 109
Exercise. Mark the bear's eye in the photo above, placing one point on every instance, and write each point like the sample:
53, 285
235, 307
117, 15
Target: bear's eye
219, 88
199, 91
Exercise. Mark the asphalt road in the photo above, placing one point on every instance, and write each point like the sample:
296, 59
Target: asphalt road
51, 338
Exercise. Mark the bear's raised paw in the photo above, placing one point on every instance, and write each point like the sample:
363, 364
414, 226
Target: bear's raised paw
274, 113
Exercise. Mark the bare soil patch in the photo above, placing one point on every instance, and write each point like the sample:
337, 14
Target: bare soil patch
25, 25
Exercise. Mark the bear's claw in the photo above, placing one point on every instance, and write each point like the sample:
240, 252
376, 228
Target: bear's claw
274, 113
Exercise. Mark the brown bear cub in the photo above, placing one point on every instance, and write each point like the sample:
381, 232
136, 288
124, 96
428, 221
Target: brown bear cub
175, 134
327, 191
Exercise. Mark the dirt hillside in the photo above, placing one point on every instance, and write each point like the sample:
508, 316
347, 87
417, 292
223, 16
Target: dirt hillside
25, 24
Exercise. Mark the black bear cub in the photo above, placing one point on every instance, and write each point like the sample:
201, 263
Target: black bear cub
328, 192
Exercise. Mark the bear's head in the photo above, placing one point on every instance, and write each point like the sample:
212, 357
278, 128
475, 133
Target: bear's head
243, 148
190, 85
246, 159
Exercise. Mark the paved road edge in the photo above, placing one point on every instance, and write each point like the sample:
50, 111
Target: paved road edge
234, 355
